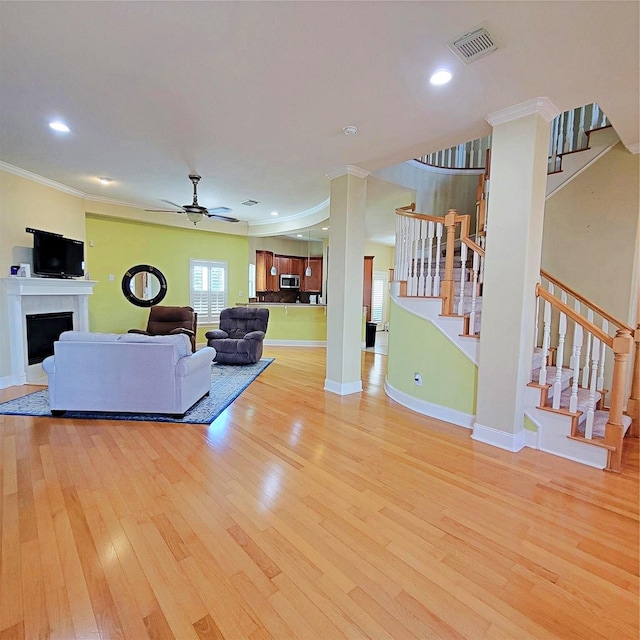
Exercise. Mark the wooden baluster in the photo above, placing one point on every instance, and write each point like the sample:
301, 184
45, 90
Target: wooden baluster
553, 146
595, 116
429, 279
568, 136
448, 285
614, 431
572, 362
577, 346
436, 277
633, 405
600, 382
562, 331
406, 245
412, 287
591, 402
396, 259
587, 354
463, 269
546, 341
474, 294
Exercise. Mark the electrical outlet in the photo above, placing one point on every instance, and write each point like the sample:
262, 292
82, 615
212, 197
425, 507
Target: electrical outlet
111, 277
240, 294
417, 378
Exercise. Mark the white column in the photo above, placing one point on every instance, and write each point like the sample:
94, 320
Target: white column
344, 282
520, 143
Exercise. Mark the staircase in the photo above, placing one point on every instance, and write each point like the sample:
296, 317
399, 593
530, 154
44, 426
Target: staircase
582, 360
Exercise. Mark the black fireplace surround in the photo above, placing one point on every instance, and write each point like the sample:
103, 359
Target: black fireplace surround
43, 329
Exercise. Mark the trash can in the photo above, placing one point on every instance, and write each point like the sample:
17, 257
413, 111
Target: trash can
371, 334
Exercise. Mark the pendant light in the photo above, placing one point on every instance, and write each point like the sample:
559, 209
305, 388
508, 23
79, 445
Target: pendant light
307, 271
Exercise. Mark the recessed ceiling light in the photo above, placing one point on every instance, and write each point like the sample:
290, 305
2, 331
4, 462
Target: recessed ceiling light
440, 77
59, 126
275, 213
298, 235
350, 130
325, 228
105, 180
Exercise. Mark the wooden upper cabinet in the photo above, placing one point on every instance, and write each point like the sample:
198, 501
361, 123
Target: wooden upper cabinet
312, 283
282, 265
296, 267
264, 280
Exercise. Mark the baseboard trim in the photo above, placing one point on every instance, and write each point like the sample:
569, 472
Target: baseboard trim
513, 442
10, 381
295, 343
342, 388
429, 409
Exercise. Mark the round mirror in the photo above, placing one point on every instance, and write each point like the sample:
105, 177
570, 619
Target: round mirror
144, 285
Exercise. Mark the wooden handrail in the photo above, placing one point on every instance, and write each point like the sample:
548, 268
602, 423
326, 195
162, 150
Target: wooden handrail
404, 211
588, 303
473, 246
575, 316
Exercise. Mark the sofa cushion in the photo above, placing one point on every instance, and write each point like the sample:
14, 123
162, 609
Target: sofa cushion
88, 336
180, 341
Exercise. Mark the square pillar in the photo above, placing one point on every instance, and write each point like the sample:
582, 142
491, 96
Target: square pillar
519, 152
344, 281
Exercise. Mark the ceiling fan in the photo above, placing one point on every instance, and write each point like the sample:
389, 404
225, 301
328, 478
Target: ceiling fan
195, 212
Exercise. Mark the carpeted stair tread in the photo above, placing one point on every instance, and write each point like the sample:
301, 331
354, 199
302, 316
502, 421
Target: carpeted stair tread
583, 401
567, 374
600, 419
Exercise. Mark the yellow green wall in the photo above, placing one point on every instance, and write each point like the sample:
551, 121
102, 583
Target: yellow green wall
115, 245
297, 322
449, 378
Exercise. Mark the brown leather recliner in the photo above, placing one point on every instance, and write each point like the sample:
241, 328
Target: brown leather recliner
166, 321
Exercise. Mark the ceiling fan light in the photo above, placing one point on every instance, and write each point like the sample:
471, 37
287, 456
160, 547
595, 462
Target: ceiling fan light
194, 216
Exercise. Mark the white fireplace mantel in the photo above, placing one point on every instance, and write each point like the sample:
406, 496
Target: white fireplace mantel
41, 295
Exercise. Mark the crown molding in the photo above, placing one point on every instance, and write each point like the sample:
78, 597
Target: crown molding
633, 148
23, 173
58, 186
537, 106
350, 170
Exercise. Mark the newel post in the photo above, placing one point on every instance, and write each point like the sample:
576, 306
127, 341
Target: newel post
633, 404
447, 287
622, 344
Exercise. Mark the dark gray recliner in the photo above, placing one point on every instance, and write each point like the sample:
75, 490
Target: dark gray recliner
240, 336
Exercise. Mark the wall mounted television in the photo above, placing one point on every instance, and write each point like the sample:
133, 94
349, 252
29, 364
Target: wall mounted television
55, 256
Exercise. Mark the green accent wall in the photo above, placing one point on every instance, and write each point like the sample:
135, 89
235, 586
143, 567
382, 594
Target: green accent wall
297, 322
528, 425
449, 378
115, 245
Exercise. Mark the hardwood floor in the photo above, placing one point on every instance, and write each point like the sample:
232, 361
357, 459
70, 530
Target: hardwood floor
301, 514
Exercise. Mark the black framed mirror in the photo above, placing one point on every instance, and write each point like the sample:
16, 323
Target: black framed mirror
144, 285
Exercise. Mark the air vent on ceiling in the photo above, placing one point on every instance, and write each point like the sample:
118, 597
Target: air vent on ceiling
473, 45
250, 203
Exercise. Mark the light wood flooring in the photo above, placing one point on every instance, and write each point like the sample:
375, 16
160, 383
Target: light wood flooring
301, 514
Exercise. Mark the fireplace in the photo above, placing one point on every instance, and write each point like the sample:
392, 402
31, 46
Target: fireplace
28, 297
43, 329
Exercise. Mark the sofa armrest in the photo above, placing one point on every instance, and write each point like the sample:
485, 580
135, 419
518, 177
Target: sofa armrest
49, 364
254, 335
216, 334
142, 331
201, 358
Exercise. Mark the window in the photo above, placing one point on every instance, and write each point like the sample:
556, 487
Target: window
378, 297
208, 289
252, 280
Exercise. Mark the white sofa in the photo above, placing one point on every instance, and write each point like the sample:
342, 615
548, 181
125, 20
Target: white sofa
128, 373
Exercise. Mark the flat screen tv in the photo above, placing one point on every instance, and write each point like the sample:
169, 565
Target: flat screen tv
55, 256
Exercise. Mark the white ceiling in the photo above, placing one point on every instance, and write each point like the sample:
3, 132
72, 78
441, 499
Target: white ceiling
254, 95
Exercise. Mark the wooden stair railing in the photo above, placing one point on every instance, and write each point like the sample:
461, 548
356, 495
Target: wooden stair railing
587, 374
420, 239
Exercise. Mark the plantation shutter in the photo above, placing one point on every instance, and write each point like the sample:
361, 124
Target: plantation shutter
378, 288
208, 289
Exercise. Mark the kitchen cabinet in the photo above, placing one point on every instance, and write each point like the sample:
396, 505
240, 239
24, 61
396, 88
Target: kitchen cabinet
312, 283
264, 280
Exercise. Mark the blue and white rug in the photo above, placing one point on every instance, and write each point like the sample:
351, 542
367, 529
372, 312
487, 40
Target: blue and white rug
227, 383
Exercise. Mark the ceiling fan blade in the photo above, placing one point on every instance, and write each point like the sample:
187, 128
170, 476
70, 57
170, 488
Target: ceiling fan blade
222, 218
164, 210
216, 210
173, 204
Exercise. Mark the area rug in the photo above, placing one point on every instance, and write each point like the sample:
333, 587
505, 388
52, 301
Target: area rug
227, 383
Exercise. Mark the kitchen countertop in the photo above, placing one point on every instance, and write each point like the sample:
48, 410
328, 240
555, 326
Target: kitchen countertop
278, 304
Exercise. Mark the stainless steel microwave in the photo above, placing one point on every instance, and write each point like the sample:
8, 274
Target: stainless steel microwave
288, 281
